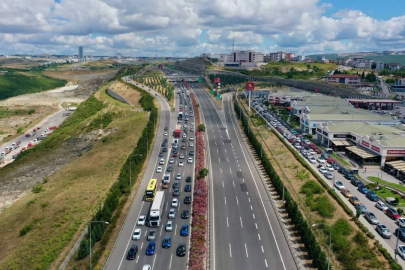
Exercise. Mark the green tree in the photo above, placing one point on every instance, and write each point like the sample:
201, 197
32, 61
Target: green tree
201, 127
83, 250
203, 173
362, 75
97, 232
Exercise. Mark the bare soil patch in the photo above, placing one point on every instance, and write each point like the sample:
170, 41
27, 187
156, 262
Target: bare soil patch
129, 93
79, 75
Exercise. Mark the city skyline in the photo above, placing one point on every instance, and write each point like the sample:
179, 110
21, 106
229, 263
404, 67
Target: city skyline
187, 29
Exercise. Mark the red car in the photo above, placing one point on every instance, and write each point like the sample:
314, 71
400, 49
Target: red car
174, 154
330, 160
291, 140
312, 146
392, 213
317, 150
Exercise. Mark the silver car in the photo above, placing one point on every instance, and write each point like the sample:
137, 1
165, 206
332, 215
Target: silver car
169, 226
371, 218
383, 231
151, 235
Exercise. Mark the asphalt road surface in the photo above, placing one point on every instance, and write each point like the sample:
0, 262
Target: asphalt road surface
245, 231
163, 258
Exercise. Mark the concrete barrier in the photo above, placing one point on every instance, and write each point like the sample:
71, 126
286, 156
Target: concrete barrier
116, 96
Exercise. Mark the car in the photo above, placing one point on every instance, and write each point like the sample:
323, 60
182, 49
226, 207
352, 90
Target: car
184, 136
401, 222
184, 214
162, 161
133, 250
191, 153
392, 213
312, 160
170, 168
141, 221
382, 206
298, 146
362, 188
161, 155
346, 192
164, 144
339, 185
329, 167
165, 184
165, 134
189, 179
372, 196
321, 160
150, 249
181, 250
400, 233
175, 154
189, 160
191, 144
164, 150
167, 242
183, 147
383, 231
181, 163
191, 138
181, 156
354, 200
166, 129
184, 230
355, 181
371, 218
336, 166
329, 175
311, 152
330, 160
187, 200
187, 188
147, 267
401, 251
176, 184
176, 192
323, 170
178, 176
175, 202
183, 139
171, 160
169, 226
159, 169
362, 208
172, 213
151, 235
136, 235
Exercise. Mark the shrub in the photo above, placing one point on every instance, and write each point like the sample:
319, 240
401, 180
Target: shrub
31, 202
201, 127
19, 130
203, 173
31, 111
38, 188
26, 229
311, 187
323, 206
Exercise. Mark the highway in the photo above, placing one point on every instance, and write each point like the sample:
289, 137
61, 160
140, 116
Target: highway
245, 231
163, 258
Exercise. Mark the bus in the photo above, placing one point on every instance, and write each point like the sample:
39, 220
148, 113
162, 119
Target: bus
151, 190
177, 131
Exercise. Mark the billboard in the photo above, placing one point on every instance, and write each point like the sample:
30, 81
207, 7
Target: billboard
250, 86
217, 80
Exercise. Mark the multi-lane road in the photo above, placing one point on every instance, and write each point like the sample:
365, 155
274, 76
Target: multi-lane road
163, 258
245, 230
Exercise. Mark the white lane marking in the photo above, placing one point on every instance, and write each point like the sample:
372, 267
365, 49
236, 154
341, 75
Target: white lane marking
220, 170
225, 200
243, 179
251, 208
254, 216
225, 150
247, 255
219, 160
217, 150
249, 199
241, 224
256, 225
137, 259
238, 163
170, 265
259, 236
230, 169
233, 182
227, 223
237, 202
265, 261
262, 249
227, 159
161, 229
154, 259
146, 232
141, 245
175, 230
223, 184
215, 143
166, 205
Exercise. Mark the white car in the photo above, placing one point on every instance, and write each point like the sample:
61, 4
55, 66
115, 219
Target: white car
298, 146
184, 135
189, 160
172, 213
401, 222
141, 220
162, 161
191, 144
178, 176
312, 160
307, 142
159, 169
175, 202
321, 160
329, 168
181, 163
171, 160
382, 206
166, 133
191, 138
181, 156
169, 226
323, 170
311, 151
136, 235
339, 185
185, 125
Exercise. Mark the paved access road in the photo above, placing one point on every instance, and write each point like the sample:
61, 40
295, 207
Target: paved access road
245, 231
163, 258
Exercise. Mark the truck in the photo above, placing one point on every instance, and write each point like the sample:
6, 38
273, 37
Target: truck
156, 210
177, 131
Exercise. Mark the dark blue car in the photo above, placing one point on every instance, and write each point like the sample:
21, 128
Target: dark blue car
355, 181
187, 188
167, 242
184, 230
362, 188
150, 249
372, 196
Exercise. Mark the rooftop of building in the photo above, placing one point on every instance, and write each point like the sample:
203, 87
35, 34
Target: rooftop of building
344, 76
350, 117
321, 100
338, 109
373, 100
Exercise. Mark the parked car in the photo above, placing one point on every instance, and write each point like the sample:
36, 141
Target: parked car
339, 185
383, 231
362, 208
372, 196
329, 175
323, 170
355, 182
401, 222
371, 217
354, 200
362, 188
381, 205
400, 233
346, 192
392, 213
401, 251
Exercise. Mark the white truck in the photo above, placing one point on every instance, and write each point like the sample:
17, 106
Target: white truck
156, 210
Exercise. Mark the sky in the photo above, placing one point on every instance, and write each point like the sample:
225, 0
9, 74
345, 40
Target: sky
184, 28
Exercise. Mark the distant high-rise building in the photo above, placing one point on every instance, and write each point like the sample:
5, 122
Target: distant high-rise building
80, 56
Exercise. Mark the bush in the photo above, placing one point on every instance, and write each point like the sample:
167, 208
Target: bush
26, 229
19, 130
201, 127
31, 111
323, 206
38, 188
311, 187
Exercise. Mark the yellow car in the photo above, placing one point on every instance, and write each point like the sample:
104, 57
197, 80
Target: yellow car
346, 193
354, 200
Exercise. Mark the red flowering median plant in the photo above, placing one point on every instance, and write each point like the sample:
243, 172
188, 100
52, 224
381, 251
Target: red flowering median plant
200, 202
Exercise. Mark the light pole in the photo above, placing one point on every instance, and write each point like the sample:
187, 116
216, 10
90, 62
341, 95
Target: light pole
330, 238
396, 245
90, 234
130, 172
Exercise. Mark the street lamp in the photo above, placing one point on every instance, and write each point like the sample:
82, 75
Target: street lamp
90, 234
330, 238
130, 172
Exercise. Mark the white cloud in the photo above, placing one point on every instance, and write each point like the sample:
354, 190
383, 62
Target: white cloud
190, 27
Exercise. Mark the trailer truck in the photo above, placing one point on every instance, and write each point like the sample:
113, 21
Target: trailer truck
156, 210
177, 131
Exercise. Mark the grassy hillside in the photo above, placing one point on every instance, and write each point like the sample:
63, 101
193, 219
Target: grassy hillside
14, 83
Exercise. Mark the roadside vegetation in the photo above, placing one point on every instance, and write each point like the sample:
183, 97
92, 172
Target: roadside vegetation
14, 83
44, 224
308, 200
159, 84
